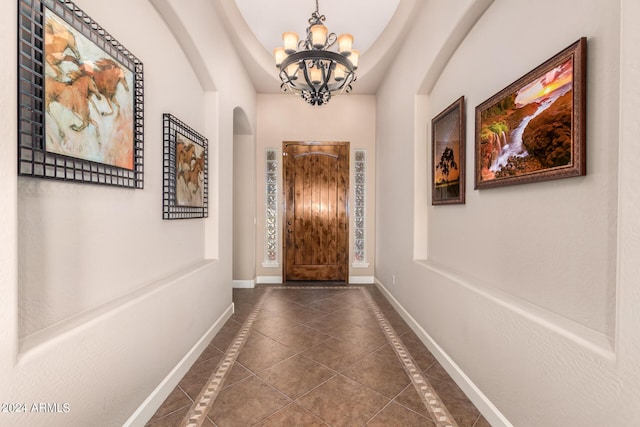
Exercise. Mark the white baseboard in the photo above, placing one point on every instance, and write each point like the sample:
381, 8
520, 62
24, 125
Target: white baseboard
244, 284
269, 280
361, 280
151, 404
484, 405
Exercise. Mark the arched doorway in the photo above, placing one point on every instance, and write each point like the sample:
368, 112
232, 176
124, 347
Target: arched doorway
244, 201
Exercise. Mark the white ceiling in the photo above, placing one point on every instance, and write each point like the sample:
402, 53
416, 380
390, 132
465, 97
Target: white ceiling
269, 19
378, 28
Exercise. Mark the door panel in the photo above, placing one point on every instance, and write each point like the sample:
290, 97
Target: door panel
316, 231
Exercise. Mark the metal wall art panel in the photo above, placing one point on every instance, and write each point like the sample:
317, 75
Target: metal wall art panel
185, 171
80, 99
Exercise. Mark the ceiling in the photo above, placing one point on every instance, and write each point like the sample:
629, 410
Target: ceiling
378, 28
294, 16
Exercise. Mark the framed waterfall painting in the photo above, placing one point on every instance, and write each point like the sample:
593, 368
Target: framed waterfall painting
448, 155
81, 106
534, 129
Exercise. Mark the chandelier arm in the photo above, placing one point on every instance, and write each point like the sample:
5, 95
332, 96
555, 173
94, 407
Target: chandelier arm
317, 54
346, 86
331, 40
286, 80
307, 78
326, 72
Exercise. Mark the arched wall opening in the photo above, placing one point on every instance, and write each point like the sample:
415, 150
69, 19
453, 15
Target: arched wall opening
244, 201
423, 112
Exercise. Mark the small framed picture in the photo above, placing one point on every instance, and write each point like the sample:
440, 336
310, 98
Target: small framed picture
448, 155
185, 171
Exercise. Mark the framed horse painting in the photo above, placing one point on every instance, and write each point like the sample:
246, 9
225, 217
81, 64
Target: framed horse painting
185, 171
80, 99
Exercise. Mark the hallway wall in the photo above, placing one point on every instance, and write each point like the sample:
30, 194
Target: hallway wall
99, 297
244, 208
520, 289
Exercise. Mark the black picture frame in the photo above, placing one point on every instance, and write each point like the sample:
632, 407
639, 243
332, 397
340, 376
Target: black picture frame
185, 171
61, 123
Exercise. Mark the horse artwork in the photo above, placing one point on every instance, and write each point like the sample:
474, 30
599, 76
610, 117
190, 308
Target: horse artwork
89, 106
58, 41
73, 98
108, 76
185, 171
189, 172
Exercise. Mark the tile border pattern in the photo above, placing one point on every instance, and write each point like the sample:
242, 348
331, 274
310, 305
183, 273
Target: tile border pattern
428, 395
202, 404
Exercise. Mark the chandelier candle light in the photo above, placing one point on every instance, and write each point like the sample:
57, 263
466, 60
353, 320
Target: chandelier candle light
308, 68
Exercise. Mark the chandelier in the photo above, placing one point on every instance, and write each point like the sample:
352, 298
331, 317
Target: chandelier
308, 68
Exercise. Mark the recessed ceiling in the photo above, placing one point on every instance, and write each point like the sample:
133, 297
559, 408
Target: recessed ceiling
378, 28
364, 19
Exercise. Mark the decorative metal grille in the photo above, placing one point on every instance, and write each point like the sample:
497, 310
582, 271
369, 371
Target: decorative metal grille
360, 164
185, 171
271, 207
34, 159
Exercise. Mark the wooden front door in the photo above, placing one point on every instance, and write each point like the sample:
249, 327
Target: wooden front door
316, 235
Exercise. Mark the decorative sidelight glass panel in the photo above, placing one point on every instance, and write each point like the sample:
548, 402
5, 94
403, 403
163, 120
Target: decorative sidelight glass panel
271, 207
360, 167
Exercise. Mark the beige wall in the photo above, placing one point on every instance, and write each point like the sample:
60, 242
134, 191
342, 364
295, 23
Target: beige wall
244, 210
288, 118
526, 293
100, 299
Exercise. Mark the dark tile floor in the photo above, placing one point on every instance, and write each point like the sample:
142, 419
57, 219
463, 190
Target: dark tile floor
314, 357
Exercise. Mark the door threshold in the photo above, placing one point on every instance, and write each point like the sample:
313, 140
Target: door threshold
315, 283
